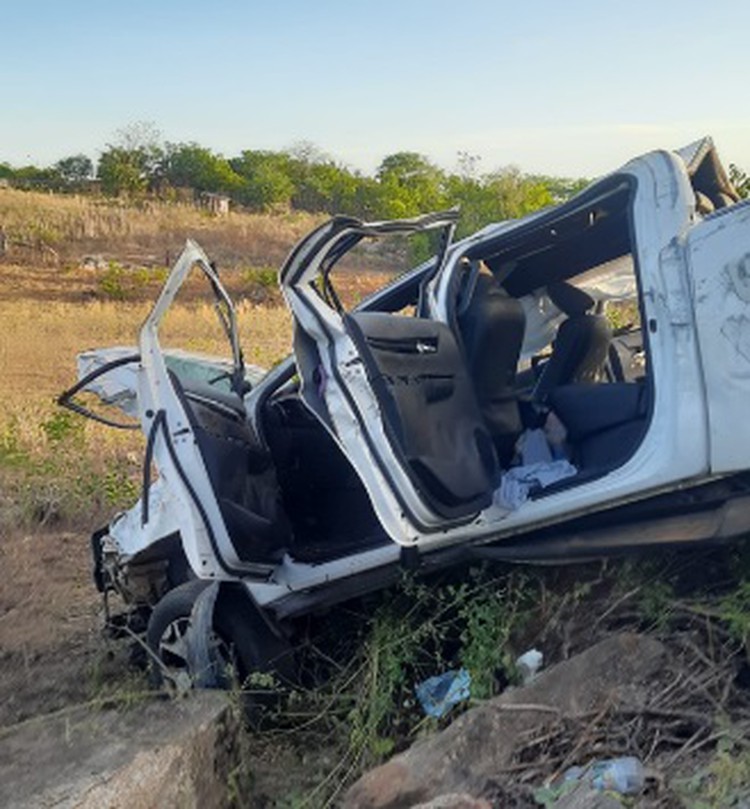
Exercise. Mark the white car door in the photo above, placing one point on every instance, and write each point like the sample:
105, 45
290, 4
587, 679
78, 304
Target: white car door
175, 438
719, 255
391, 388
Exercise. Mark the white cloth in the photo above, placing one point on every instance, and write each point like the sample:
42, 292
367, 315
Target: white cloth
534, 447
518, 481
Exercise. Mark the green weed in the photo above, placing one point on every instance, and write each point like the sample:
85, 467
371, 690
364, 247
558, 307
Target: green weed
655, 604
266, 277
112, 282
489, 614
119, 487
368, 709
62, 425
734, 610
120, 283
11, 451
724, 783
52, 474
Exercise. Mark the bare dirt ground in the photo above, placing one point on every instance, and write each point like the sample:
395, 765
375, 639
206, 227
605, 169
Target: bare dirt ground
50, 643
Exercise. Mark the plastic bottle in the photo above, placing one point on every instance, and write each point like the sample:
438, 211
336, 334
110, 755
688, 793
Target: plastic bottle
528, 665
625, 775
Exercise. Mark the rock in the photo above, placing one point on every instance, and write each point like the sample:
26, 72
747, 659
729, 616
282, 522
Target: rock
455, 801
586, 798
154, 754
469, 754
93, 263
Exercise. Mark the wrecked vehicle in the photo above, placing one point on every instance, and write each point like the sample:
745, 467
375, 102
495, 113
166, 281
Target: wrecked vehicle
481, 406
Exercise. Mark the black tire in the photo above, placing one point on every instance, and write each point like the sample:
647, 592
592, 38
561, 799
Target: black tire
246, 642
258, 647
169, 619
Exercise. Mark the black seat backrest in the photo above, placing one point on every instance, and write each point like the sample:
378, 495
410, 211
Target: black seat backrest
492, 327
581, 345
242, 476
429, 409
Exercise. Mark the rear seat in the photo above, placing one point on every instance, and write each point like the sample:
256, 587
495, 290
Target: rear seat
605, 422
581, 345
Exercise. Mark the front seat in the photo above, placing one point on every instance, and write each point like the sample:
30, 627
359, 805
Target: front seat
491, 327
581, 345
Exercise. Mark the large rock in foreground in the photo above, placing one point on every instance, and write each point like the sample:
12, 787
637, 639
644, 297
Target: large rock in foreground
474, 750
155, 754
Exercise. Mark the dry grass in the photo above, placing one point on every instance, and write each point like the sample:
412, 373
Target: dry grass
57, 469
60, 230
39, 343
149, 234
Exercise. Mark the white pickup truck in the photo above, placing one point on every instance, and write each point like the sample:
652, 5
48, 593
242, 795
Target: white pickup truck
485, 405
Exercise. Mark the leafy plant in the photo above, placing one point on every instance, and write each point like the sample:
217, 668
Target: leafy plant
734, 610
389, 652
724, 783
62, 425
11, 451
489, 613
112, 282
266, 277
655, 603
119, 487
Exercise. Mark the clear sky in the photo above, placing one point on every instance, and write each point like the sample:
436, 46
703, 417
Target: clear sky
569, 88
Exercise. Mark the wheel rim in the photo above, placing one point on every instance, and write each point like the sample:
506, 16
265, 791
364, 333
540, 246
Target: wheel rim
174, 660
173, 646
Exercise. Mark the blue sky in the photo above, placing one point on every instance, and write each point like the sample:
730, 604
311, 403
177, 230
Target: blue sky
569, 88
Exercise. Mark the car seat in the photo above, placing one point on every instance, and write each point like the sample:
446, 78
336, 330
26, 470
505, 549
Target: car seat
581, 345
491, 327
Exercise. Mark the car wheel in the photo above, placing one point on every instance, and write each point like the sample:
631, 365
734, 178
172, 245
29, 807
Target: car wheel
241, 642
166, 635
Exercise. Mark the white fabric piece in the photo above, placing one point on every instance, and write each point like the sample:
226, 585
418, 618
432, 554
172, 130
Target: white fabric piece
517, 482
534, 448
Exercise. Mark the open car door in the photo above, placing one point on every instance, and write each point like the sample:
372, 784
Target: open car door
392, 389
201, 447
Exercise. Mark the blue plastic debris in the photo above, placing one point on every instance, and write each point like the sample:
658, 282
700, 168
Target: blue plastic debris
625, 775
437, 695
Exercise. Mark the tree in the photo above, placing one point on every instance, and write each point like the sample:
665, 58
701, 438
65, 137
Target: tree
268, 184
140, 136
561, 189
188, 165
516, 194
324, 187
134, 163
33, 178
411, 185
307, 152
75, 170
123, 172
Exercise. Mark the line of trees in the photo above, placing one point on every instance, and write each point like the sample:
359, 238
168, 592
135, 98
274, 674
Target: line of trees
303, 178
406, 183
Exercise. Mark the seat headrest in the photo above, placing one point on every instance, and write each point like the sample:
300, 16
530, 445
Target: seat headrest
570, 299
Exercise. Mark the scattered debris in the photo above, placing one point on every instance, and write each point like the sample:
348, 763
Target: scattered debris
528, 665
455, 801
625, 775
599, 697
437, 695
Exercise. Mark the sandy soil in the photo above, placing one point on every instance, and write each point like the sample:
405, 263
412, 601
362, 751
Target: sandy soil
50, 619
